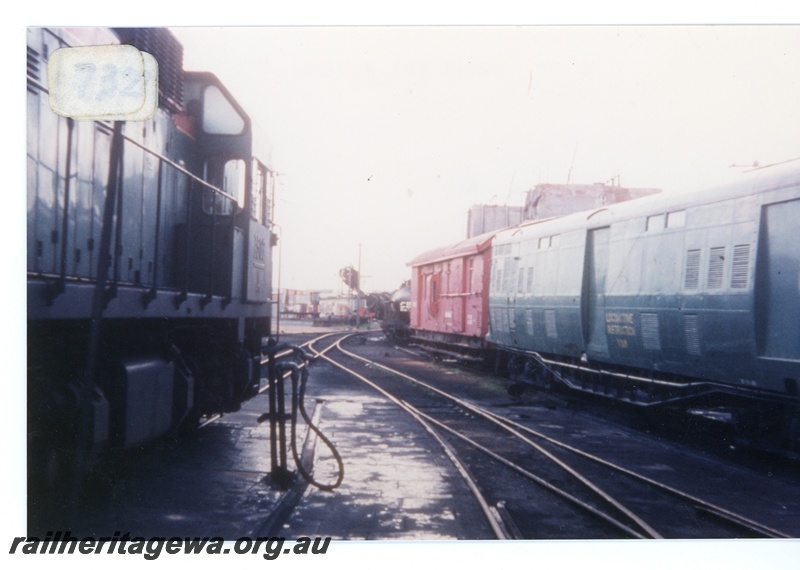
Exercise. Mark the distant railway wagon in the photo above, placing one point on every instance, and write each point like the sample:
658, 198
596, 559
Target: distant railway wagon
148, 260
295, 303
682, 300
449, 309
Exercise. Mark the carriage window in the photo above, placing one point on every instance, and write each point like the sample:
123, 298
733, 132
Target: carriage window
220, 117
655, 223
676, 219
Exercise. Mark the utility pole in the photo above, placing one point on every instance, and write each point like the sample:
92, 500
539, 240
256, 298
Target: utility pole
358, 291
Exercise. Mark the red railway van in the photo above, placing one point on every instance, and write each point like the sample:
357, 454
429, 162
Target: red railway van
449, 297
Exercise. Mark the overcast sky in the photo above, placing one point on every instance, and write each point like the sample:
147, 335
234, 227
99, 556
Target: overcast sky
385, 136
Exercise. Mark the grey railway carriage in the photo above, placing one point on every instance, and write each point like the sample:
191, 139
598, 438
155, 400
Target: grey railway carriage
674, 298
149, 258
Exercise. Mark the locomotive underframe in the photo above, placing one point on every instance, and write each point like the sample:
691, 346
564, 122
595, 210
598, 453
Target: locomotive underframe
214, 363
152, 376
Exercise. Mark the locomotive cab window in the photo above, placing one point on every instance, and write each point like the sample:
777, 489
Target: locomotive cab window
220, 117
228, 176
258, 202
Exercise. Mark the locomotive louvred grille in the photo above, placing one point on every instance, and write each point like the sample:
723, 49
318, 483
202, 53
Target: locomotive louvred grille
33, 64
162, 45
716, 267
741, 266
692, 276
692, 332
650, 336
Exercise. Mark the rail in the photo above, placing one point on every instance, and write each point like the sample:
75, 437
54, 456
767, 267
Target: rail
522, 433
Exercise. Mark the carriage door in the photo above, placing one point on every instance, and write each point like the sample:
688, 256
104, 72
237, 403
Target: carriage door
595, 282
259, 267
778, 285
510, 278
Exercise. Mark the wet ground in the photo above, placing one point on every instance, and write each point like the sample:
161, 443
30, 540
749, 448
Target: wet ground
397, 484
397, 487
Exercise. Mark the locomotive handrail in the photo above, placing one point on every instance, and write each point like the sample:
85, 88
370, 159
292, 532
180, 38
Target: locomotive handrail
180, 170
151, 294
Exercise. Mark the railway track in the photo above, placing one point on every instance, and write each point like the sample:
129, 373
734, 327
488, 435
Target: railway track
532, 485
284, 353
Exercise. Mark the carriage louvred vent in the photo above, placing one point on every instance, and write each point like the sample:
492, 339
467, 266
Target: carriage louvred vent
512, 320
650, 335
529, 321
741, 266
34, 57
162, 45
692, 276
691, 326
550, 323
716, 267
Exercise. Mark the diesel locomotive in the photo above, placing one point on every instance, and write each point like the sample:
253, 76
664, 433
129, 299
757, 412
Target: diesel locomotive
148, 259
688, 300
396, 314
